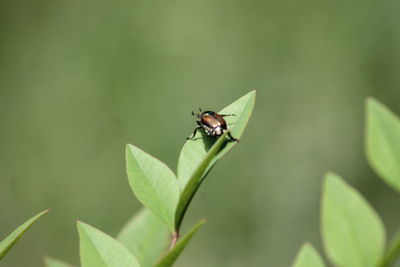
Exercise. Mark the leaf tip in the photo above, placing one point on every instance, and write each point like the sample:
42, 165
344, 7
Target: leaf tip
306, 245
371, 100
252, 95
330, 176
128, 148
80, 224
44, 212
372, 104
202, 222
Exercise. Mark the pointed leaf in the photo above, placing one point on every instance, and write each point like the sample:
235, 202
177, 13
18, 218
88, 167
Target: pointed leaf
195, 181
383, 142
12, 238
100, 250
194, 151
146, 236
353, 233
52, 262
173, 254
308, 257
153, 183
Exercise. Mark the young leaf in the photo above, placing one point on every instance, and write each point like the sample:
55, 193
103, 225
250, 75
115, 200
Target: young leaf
52, 262
12, 238
146, 236
153, 183
100, 250
195, 181
353, 233
194, 151
198, 156
383, 142
173, 254
308, 257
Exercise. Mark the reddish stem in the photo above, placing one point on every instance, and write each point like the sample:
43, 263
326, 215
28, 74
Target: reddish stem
175, 238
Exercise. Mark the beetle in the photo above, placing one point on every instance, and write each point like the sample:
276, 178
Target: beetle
212, 123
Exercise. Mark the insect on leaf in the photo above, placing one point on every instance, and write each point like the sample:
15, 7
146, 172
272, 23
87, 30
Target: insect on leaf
194, 151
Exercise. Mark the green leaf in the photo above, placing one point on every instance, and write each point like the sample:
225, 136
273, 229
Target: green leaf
12, 238
353, 233
383, 142
153, 183
308, 257
194, 151
100, 250
198, 156
195, 181
173, 254
393, 251
52, 262
146, 236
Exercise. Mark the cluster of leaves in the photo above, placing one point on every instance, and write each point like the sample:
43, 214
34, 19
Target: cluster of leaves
152, 236
352, 232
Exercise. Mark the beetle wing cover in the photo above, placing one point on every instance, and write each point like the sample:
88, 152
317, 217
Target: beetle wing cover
221, 120
209, 120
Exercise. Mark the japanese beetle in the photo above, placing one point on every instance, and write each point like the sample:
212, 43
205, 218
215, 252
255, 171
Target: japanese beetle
212, 123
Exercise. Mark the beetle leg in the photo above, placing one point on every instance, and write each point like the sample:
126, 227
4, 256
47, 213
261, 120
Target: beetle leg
232, 138
194, 133
227, 115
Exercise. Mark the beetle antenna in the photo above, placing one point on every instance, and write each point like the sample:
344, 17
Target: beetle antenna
200, 110
193, 113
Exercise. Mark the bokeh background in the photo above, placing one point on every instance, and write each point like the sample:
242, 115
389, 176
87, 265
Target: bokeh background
80, 79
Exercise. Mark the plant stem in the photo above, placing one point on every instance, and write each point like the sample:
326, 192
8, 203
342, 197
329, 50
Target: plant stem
175, 238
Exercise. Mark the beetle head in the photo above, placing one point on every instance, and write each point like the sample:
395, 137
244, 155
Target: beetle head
198, 115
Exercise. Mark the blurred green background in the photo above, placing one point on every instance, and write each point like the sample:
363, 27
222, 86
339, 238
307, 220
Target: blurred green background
80, 79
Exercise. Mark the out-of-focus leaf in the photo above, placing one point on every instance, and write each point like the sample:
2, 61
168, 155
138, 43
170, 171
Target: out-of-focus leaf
12, 238
153, 183
194, 151
393, 252
100, 250
308, 257
52, 262
173, 254
353, 233
383, 142
146, 236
